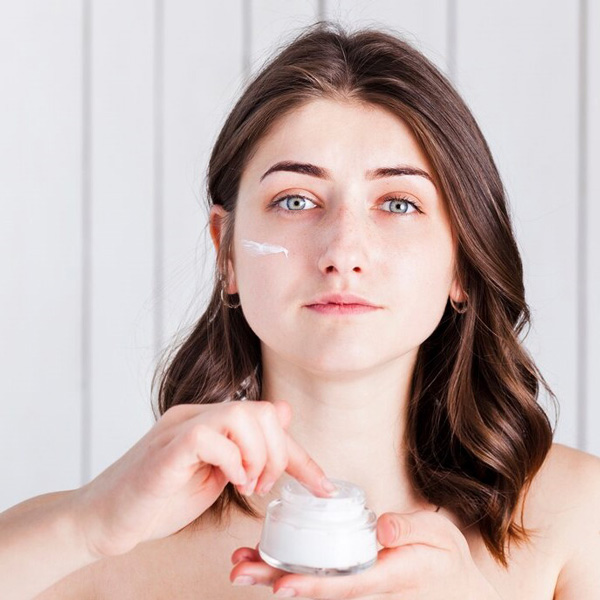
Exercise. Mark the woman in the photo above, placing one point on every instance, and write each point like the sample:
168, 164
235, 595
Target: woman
368, 308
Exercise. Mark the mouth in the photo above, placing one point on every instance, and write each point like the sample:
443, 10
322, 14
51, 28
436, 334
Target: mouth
341, 299
341, 308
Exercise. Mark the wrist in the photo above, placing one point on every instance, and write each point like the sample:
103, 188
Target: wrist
72, 523
89, 522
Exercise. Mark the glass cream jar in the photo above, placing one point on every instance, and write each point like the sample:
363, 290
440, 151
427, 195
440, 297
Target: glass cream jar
303, 533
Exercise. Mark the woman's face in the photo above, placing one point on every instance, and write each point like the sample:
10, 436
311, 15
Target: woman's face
385, 238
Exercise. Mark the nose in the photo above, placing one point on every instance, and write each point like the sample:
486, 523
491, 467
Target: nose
345, 239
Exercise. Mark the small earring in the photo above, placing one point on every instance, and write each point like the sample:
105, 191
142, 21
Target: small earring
225, 302
460, 309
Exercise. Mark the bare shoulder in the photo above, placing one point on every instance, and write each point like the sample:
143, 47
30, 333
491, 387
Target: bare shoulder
573, 476
75, 586
193, 563
569, 495
567, 487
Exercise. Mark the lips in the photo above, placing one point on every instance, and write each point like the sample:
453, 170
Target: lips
342, 299
341, 309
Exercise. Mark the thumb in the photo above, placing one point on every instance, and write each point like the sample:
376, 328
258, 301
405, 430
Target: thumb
419, 527
390, 526
284, 412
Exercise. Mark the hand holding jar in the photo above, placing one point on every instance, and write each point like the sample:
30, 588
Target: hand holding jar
424, 556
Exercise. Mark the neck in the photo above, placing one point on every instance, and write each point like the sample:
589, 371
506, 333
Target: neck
352, 425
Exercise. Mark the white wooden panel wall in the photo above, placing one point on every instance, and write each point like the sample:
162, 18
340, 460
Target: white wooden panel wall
123, 222
41, 247
202, 59
522, 86
108, 112
589, 428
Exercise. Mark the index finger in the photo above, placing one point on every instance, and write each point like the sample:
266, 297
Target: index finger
302, 467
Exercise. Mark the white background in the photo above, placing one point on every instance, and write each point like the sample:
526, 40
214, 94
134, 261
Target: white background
108, 111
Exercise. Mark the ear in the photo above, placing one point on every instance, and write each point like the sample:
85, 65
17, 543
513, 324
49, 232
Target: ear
456, 292
217, 231
217, 213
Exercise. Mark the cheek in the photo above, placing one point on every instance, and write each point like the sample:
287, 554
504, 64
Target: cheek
427, 279
419, 279
421, 263
262, 281
411, 278
258, 277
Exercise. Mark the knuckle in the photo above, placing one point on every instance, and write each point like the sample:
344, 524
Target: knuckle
280, 463
275, 468
196, 435
404, 527
266, 409
308, 463
234, 408
231, 452
238, 413
254, 465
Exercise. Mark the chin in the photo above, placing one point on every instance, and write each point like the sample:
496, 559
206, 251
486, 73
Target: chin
339, 363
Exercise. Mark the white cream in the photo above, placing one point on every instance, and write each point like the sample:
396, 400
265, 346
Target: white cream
260, 249
320, 536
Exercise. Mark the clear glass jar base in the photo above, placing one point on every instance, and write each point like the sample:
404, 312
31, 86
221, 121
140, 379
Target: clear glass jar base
322, 571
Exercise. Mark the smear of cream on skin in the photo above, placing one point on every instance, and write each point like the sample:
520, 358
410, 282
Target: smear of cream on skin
262, 249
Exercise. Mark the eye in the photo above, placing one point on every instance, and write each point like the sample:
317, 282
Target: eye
296, 203
400, 205
293, 203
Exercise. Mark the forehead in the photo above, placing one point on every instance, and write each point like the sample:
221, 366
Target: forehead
341, 136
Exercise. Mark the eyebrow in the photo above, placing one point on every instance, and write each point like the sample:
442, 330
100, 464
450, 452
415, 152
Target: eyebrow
322, 173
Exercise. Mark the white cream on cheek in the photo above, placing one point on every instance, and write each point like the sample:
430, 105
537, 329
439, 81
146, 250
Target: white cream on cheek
261, 249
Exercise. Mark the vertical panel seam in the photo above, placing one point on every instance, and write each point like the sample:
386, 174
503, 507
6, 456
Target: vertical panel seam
246, 39
451, 25
158, 175
86, 245
582, 258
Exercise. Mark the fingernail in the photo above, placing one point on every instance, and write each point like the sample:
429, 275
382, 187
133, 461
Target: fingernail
242, 477
285, 592
244, 580
328, 486
249, 487
265, 488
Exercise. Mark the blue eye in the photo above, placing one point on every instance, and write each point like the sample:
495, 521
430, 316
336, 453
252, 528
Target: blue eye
402, 205
298, 203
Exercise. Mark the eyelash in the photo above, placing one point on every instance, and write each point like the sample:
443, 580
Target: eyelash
275, 203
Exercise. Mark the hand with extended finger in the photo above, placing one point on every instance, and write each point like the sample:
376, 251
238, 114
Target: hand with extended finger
181, 466
425, 557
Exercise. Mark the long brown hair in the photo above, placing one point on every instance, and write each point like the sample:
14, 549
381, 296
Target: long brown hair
475, 435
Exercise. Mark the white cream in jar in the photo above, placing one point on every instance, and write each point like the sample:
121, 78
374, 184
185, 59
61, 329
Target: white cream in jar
303, 533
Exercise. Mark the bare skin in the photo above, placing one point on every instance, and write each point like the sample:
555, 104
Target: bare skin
196, 562
346, 379
159, 486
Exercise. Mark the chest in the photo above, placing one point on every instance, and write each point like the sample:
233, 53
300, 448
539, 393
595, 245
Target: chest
532, 571
187, 569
